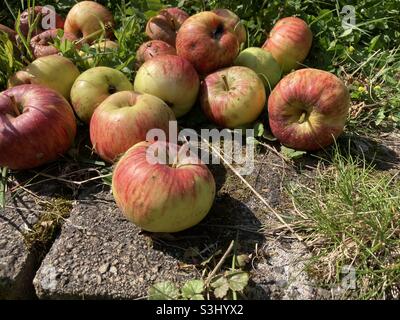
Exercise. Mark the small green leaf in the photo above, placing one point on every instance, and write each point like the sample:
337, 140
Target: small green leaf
165, 290
192, 289
237, 280
291, 153
346, 33
221, 287
258, 129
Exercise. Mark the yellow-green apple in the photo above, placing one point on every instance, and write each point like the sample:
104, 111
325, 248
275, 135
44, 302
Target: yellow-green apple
43, 44
165, 25
37, 125
308, 109
162, 197
93, 86
89, 20
55, 72
171, 78
45, 18
153, 48
206, 41
289, 42
233, 97
262, 63
124, 119
233, 22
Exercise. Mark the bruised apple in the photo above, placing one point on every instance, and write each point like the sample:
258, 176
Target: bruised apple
55, 72
170, 78
89, 20
152, 49
232, 97
308, 109
124, 119
93, 86
42, 44
162, 196
37, 125
166, 24
207, 41
289, 42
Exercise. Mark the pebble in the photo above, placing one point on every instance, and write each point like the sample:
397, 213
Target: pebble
104, 268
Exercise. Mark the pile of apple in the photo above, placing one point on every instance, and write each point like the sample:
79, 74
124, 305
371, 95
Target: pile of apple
188, 59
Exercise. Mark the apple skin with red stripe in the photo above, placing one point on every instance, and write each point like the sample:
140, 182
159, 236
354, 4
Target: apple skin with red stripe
124, 119
162, 197
207, 41
37, 125
289, 42
233, 97
308, 109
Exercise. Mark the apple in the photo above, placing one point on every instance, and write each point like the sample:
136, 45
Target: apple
42, 44
232, 97
289, 42
308, 109
170, 78
162, 197
165, 25
93, 86
90, 20
55, 72
153, 48
233, 22
37, 125
206, 41
123, 119
262, 63
46, 19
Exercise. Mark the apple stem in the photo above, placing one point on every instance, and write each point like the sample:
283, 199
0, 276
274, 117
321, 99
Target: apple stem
15, 106
302, 118
225, 82
173, 23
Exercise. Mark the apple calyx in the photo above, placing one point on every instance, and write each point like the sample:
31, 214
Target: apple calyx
226, 85
218, 32
303, 118
112, 89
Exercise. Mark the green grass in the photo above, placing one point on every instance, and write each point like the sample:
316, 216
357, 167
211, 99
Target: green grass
350, 216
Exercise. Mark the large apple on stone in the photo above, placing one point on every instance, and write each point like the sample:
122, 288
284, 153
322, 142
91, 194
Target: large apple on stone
308, 109
124, 119
289, 42
46, 19
170, 78
55, 72
152, 49
93, 86
162, 197
43, 44
89, 20
37, 125
262, 63
233, 22
232, 97
207, 41
165, 25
